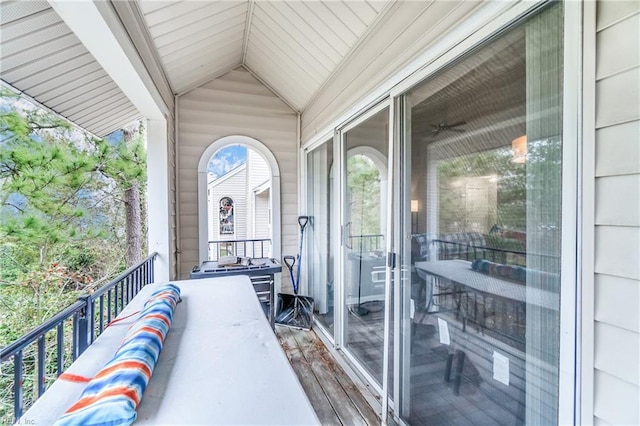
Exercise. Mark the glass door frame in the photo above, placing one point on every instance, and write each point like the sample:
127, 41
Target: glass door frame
341, 182
572, 358
305, 151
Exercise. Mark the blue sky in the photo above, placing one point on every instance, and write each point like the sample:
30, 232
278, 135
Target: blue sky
226, 159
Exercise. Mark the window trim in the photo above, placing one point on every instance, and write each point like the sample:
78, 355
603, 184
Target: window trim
572, 183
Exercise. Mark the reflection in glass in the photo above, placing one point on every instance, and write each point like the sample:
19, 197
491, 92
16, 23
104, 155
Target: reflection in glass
365, 147
320, 242
482, 162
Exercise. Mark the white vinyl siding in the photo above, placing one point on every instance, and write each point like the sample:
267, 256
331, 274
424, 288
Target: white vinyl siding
42, 57
234, 104
173, 212
258, 174
262, 227
617, 214
406, 31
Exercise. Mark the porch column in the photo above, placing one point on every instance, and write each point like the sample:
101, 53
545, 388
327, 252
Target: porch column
158, 215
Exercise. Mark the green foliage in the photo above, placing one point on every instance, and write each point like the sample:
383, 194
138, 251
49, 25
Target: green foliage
363, 182
59, 185
124, 162
511, 186
61, 223
42, 175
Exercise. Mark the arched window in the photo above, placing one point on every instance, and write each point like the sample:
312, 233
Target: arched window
205, 221
227, 225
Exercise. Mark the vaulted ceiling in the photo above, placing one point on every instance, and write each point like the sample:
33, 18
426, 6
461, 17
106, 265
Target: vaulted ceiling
293, 47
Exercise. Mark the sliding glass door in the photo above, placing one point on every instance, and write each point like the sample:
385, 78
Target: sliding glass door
321, 239
481, 196
364, 147
475, 317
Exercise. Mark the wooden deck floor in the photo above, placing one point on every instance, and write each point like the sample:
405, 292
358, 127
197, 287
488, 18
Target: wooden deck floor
334, 396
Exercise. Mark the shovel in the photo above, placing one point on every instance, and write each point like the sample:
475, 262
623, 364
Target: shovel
294, 310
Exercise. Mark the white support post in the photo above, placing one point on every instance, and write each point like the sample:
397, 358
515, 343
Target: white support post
158, 198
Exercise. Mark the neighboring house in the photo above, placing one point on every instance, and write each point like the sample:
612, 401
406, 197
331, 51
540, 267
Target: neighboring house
227, 196
440, 95
239, 204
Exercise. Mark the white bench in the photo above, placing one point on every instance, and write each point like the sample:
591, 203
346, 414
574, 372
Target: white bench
220, 364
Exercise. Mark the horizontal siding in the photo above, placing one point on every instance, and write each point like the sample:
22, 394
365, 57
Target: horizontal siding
617, 302
618, 150
616, 400
398, 38
618, 251
623, 361
619, 51
618, 200
262, 225
618, 98
617, 215
210, 112
190, 233
610, 12
258, 174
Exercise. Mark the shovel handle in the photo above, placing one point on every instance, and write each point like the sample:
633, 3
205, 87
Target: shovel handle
302, 221
289, 261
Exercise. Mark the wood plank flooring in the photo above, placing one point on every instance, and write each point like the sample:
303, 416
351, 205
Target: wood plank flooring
334, 396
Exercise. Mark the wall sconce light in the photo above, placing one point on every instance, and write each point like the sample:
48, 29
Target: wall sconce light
414, 216
519, 148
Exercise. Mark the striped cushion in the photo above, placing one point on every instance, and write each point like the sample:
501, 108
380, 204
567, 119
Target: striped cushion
113, 395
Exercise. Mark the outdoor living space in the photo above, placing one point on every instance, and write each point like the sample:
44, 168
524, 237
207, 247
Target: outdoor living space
452, 187
229, 345
337, 397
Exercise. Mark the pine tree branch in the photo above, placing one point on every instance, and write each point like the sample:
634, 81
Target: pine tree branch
21, 210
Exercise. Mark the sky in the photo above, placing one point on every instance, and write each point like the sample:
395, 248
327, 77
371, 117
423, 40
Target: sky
227, 159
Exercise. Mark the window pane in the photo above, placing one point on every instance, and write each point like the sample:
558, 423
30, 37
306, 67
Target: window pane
319, 207
482, 164
365, 209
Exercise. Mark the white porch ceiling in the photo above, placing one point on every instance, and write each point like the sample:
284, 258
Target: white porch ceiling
40, 56
294, 47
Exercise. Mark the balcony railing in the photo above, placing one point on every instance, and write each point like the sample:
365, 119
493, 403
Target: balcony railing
467, 251
255, 248
366, 243
88, 317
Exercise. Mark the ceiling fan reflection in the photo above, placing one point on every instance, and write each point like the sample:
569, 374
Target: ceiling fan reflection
437, 128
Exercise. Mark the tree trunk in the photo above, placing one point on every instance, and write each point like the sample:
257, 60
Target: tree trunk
134, 225
133, 214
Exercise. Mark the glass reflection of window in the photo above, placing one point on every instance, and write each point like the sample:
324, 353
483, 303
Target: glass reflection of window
227, 224
321, 273
484, 170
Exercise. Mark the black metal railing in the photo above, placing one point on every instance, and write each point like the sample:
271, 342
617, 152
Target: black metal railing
86, 323
254, 248
366, 243
464, 250
467, 251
